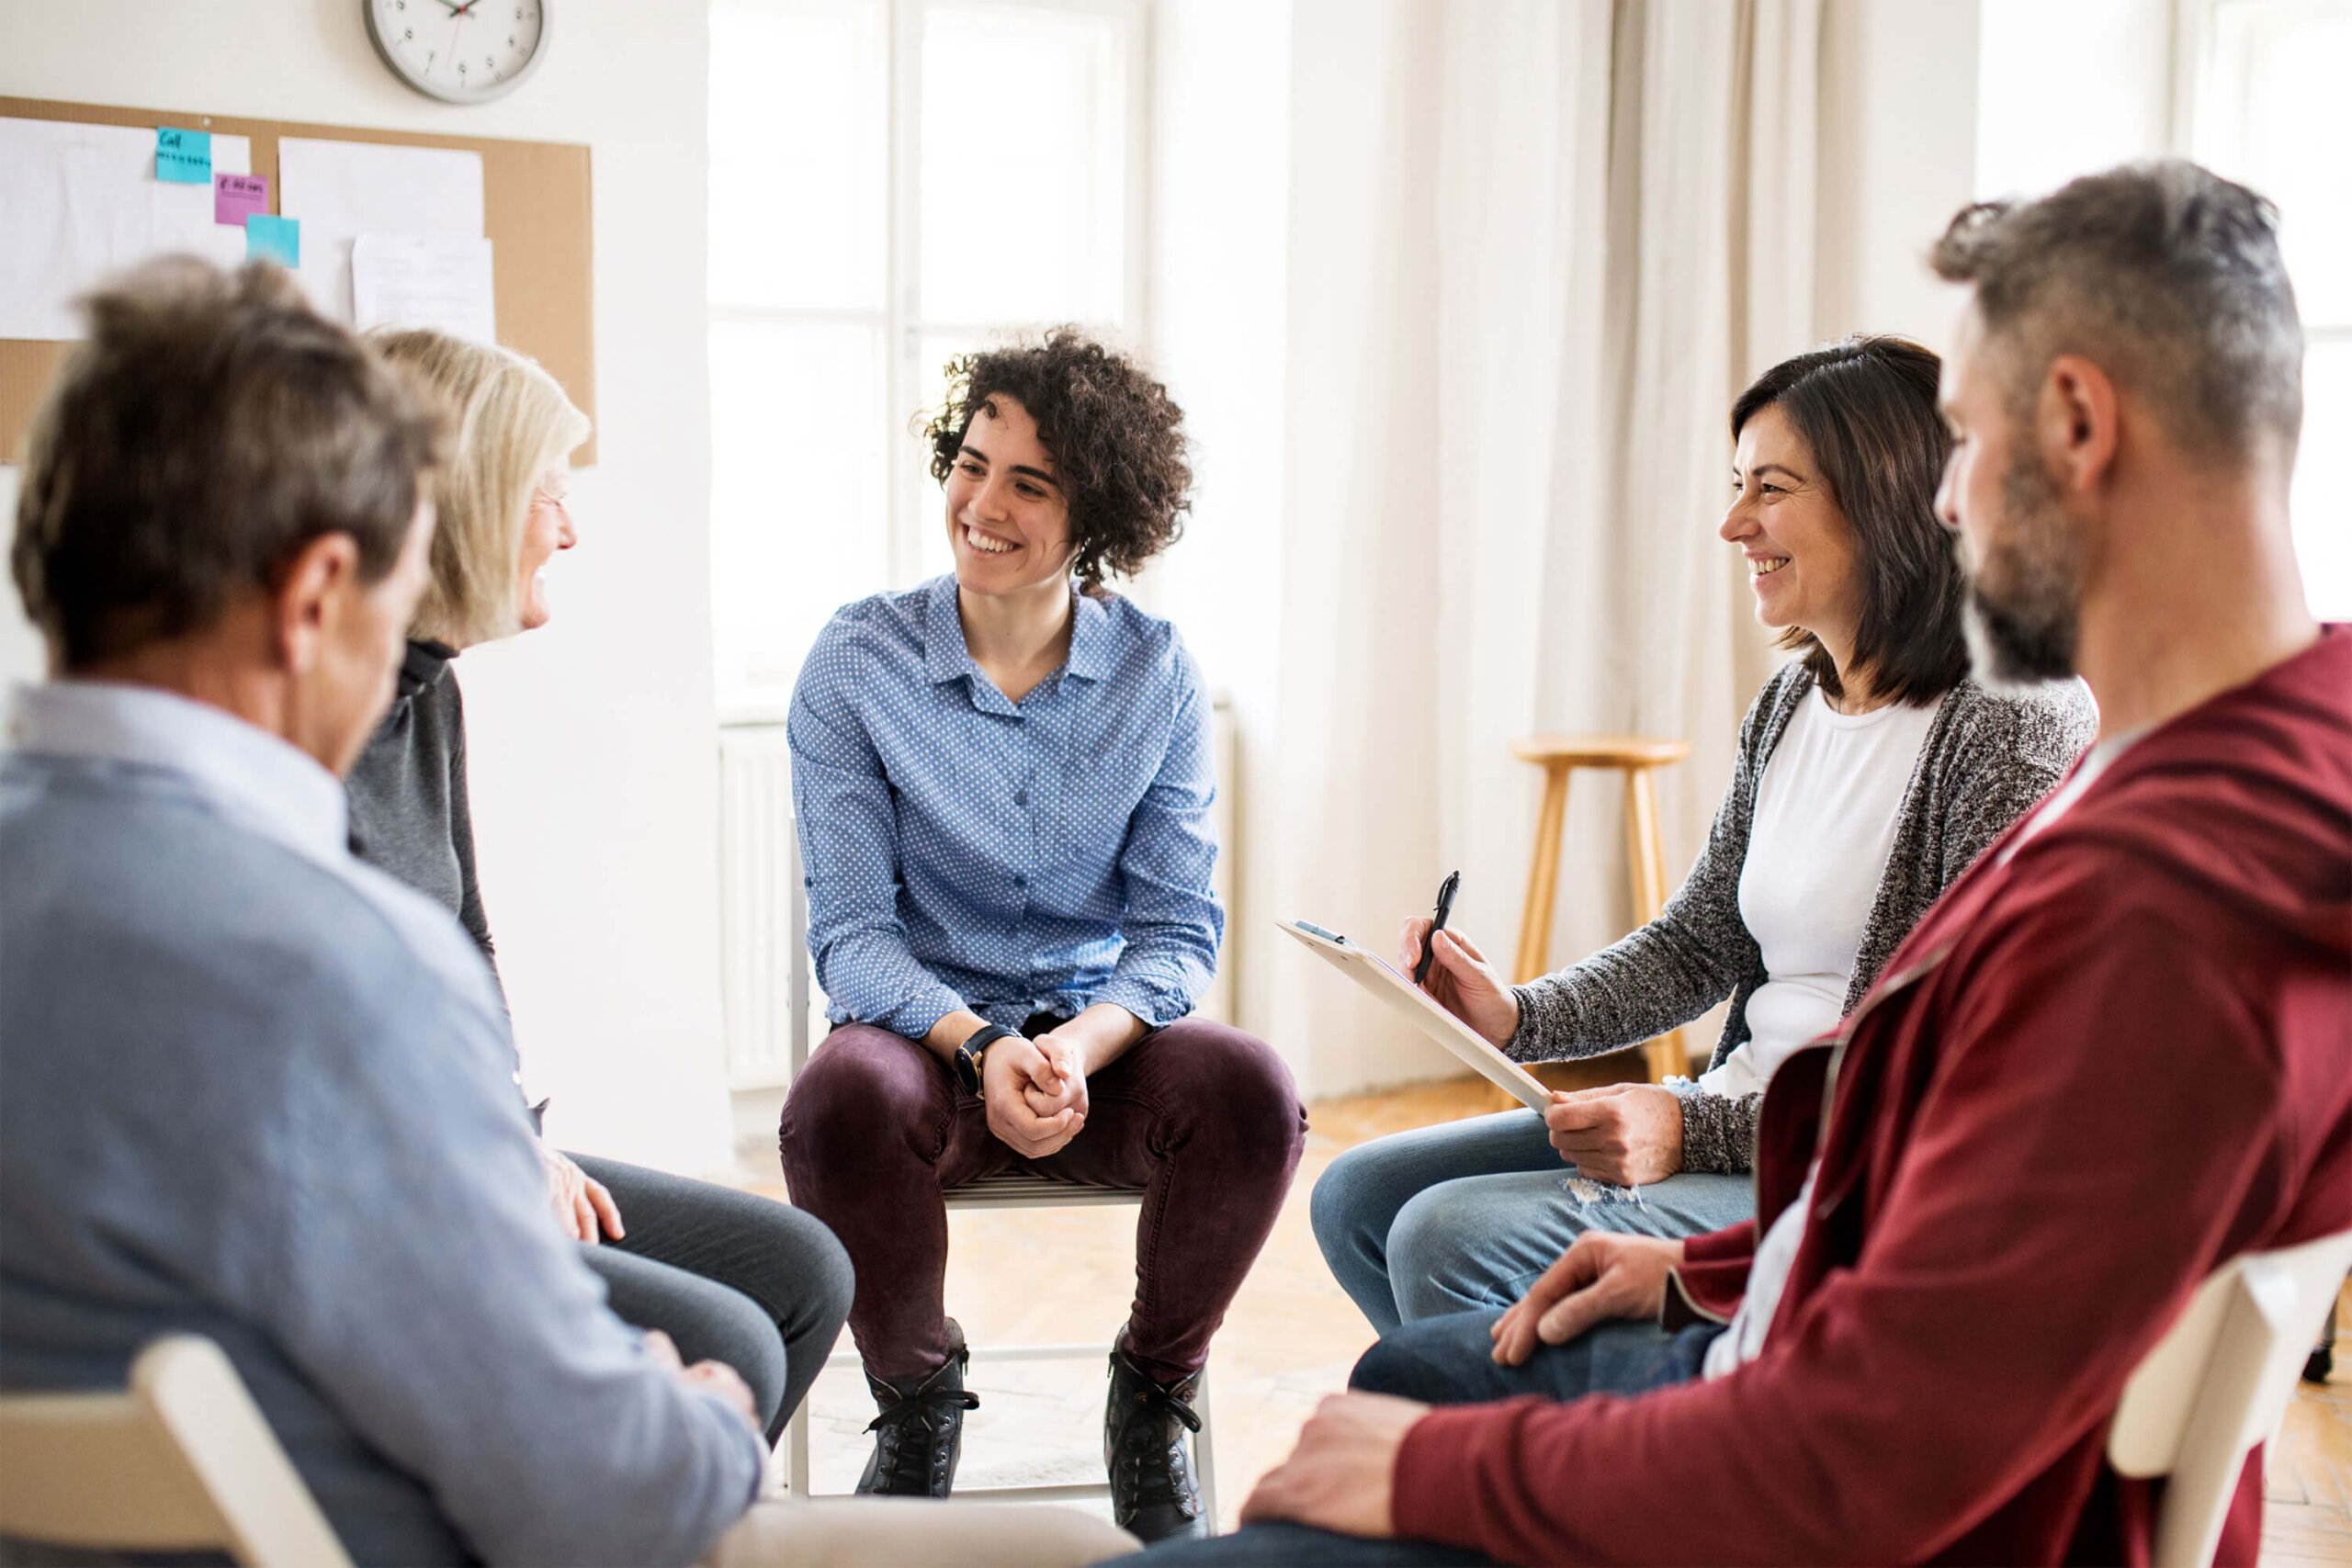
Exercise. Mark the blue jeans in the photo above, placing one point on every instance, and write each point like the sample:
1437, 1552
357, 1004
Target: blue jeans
1467, 1214
1449, 1360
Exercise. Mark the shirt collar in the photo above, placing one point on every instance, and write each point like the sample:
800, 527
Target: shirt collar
947, 656
271, 785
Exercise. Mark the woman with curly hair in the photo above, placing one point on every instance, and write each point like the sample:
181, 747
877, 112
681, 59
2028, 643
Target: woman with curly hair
1005, 779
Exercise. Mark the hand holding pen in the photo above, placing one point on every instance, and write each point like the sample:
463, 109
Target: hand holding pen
1448, 966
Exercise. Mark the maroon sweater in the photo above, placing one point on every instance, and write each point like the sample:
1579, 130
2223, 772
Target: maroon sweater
2090, 1076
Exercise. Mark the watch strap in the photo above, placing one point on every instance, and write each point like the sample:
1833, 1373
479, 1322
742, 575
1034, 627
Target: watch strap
967, 1054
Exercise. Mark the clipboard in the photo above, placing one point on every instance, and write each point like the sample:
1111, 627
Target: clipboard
1375, 974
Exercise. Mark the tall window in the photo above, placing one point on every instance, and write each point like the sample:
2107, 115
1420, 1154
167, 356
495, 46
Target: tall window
892, 182
2269, 106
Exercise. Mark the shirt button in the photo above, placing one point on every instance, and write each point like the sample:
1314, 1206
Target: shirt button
1020, 797
1021, 882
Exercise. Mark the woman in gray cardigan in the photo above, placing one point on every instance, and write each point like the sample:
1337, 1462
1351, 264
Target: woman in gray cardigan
1871, 772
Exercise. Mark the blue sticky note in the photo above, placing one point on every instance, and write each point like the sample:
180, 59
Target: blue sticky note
274, 238
184, 157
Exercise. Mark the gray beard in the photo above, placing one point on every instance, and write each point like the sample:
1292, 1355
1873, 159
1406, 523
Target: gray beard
2022, 632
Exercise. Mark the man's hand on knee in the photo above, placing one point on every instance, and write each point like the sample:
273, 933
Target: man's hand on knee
1339, 1477
1604, 1276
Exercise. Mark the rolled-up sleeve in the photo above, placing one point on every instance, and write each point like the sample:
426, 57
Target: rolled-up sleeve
1172, 922
847, 820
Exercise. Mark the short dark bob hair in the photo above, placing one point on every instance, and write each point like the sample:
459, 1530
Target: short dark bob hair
210, 426
1866, 409
1116, 438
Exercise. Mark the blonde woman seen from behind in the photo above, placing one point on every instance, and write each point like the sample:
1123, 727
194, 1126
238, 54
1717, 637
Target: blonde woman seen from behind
733, 1279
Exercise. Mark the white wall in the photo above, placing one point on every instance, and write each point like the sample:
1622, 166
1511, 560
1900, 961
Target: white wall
594, 758
1355, 774
1897, 159
1221, 96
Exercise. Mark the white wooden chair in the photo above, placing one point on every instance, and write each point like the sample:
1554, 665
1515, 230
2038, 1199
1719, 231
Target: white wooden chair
180, 1461
2218, 1383
1013, 1189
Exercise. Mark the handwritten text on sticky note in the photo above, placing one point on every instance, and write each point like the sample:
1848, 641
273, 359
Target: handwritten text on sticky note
184, 157
236, 197
274, 238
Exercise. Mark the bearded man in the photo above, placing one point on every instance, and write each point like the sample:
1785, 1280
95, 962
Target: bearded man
2111, 1058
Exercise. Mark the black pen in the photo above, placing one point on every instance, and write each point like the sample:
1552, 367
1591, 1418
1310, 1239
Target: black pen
1444, 907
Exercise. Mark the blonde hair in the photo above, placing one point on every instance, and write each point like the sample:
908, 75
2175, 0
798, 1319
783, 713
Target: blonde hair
509, 420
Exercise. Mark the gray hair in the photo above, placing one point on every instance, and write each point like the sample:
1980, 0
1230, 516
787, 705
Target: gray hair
2165, 275
210, 426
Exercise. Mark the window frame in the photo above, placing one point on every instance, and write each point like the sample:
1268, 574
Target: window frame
899, 325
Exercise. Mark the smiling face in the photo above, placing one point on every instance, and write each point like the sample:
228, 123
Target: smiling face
2023, 559
546, 530
1007, 518
1801, 558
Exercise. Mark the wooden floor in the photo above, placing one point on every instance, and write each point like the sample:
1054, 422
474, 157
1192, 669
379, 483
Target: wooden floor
1292, 1335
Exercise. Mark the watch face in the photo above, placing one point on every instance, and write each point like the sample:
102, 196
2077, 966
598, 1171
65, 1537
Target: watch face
461, 51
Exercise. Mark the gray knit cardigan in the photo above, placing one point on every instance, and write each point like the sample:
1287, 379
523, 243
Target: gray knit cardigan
1987, 757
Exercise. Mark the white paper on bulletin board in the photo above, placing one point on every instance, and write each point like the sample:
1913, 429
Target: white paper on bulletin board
83, 203
340, 190
408, 281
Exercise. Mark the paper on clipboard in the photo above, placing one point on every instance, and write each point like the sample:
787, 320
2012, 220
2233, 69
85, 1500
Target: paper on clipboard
1375, 975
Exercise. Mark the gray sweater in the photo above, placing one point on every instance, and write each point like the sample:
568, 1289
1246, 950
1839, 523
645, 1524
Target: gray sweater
1988, 757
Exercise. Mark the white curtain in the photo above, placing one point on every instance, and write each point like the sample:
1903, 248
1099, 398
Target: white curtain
1537, 246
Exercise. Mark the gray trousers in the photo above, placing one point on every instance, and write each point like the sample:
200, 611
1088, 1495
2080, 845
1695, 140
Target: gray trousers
730, 1276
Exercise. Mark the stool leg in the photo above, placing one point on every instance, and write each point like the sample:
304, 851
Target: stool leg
1543, 878
1645, 865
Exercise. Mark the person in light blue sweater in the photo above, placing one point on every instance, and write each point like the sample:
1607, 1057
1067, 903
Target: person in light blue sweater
255, 1089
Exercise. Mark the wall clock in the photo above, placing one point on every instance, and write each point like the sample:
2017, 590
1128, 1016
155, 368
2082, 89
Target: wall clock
461, 51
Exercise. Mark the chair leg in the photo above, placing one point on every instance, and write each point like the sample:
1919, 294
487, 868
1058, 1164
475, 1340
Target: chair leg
1205, 1450
1543, 879
796, 1434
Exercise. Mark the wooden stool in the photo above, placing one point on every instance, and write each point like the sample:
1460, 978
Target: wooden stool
1558, 756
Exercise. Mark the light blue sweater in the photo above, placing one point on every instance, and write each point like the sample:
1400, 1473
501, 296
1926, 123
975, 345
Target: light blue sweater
254, 1090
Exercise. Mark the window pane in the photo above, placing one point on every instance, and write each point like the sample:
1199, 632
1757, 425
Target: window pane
800, 121
2279, 118
797, 493
2320, 503
1024, 148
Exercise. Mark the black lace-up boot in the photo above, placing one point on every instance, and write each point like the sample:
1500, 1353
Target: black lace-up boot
920, 1434
1153, 1492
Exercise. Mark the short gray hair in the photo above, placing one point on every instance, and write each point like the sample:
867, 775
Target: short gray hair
210, 426
2165, 275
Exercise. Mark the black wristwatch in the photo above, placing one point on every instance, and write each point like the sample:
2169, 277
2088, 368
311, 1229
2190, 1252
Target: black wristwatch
968, 1055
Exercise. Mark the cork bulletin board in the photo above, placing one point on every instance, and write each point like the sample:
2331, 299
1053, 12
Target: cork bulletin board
535, 212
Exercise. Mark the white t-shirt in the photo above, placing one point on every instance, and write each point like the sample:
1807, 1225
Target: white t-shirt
1768, 1273
1824, 820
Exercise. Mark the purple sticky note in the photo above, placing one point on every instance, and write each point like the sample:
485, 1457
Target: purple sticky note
236, 197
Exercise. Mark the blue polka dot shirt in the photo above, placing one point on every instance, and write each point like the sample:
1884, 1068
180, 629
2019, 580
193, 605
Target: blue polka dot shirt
965, 850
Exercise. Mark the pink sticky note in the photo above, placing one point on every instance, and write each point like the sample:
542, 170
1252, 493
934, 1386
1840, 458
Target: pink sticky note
236, 197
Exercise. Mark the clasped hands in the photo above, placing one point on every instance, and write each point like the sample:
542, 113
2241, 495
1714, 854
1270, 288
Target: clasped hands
1035, 1091
1342, 1476
1627, 1134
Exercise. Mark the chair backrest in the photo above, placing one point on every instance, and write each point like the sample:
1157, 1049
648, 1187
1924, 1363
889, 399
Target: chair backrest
181, 1461
2218, 1383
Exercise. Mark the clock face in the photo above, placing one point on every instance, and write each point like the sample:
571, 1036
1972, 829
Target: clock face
461, 51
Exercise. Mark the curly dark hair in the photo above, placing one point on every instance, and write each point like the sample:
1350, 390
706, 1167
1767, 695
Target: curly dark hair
1116, 438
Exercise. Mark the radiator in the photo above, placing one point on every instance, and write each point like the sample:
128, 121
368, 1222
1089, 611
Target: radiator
765, 985
763, 921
